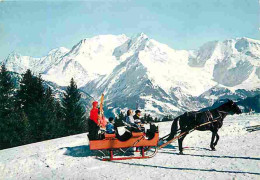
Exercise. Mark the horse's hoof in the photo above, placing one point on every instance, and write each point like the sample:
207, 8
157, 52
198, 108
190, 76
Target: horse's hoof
181, 153
213, 149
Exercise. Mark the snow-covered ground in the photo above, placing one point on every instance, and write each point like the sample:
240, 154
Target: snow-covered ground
237, 157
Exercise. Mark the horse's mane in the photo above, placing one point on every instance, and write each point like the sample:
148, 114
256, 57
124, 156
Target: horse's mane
223, 104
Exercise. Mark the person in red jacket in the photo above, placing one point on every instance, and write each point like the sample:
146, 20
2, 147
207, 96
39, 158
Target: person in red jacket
94, 112
94, 122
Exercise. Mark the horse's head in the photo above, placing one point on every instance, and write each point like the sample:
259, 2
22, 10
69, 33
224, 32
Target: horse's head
232, 107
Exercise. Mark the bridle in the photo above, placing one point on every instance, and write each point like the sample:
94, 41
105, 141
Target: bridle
211, 118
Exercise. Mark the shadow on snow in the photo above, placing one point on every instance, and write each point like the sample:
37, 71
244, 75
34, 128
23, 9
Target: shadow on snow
169, 146
78, 151
213, 156
84, 151
187, 169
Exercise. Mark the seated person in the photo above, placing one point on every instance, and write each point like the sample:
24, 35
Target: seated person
130, 122
139, 125
137, 114
110, 128
137, 118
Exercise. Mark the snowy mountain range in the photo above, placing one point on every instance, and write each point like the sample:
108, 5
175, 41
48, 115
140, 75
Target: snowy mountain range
140, 71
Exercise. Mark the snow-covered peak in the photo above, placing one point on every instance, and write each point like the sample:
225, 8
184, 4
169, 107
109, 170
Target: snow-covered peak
205, 52
225, 60
139, 37
248, 46
96, 54
132, 46
61, 50
18, 63
248, 39
217, 51
87, 60
14, 53
139, 41
12, 57
98, 44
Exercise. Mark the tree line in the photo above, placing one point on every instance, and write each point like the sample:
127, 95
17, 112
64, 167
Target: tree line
29, 112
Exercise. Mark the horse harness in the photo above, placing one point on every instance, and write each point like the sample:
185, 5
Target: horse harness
209, 115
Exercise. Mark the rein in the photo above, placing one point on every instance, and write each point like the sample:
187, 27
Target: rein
223, 112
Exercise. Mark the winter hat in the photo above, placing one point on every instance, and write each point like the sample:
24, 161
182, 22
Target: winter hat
137, 121
137, 111
111, 119
94, 104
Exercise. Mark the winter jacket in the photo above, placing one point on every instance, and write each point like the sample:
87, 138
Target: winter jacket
129, 121
94, 113
110, 129
136, 117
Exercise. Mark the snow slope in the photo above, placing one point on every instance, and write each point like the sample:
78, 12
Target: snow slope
237, 157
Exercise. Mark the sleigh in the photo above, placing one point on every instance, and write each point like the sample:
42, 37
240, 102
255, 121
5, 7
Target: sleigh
148, 146
115, 147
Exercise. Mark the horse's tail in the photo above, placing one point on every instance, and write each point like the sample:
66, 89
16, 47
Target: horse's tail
174, 128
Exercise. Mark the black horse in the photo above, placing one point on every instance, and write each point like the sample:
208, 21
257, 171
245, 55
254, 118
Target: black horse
189, 120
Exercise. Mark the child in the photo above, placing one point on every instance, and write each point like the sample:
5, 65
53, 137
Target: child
139, 126
110, 129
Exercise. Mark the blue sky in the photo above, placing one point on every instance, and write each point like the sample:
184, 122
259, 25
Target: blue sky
35, 27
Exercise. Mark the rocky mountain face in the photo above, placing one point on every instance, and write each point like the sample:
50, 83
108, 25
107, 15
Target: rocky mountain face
141, 72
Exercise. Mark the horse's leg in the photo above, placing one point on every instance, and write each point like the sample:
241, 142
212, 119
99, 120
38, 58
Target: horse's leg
180, 144
212, 141
217, 138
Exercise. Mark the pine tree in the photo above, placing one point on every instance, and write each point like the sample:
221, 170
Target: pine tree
6, 92
18, 124
156, 119
11, 125
167, 118
73, 110
49, 116
31, 91
30, 100
144, 118
149, 118
60, 129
